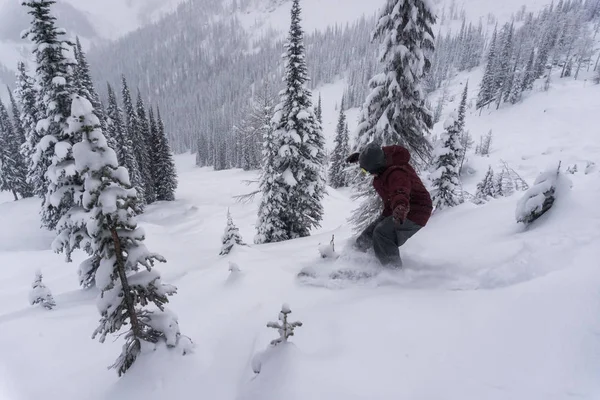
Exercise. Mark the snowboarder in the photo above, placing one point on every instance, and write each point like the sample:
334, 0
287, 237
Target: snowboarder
407, 204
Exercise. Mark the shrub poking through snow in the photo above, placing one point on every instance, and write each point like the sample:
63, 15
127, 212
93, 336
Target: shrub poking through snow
539, 198
504, 183
590, 167
485, 145
231, 237
285, 330
234, 268
486, 188
40, 294
328, 250
283, 326
572, 169
516, 182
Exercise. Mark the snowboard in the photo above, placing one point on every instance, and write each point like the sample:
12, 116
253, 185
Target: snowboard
334, 269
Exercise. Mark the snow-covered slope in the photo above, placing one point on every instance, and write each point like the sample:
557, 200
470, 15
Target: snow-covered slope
484, 309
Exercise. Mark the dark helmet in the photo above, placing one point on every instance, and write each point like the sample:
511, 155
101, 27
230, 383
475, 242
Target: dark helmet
372, 158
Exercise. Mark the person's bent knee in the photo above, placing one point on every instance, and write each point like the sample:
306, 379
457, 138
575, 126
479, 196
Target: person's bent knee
381, 231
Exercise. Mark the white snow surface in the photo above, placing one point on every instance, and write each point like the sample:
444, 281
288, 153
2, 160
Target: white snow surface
483, 309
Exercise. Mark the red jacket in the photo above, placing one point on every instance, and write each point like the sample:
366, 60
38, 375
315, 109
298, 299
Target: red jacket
399, 185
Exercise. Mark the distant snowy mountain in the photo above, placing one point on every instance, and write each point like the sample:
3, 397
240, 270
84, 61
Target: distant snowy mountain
261, 16
107, 19
99, 21
95, 21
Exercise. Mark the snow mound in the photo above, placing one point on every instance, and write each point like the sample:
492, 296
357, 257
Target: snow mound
538, 199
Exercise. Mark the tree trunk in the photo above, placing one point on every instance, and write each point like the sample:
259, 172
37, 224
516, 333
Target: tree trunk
567, 60
135, 324
15, 194
578, 68
462, 160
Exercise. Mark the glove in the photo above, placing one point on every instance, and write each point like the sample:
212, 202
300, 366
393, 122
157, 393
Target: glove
352, 158
400, 214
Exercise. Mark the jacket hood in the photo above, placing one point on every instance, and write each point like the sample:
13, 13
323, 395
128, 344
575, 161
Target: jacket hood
396, 155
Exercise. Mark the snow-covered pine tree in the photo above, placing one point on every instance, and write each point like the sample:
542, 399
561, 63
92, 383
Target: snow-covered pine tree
271, 225
395, 111
133, 136
548, 80
40, 294
126, 291
258, 122
486, 188
503, 76
153, 146
13, 171
231, 236
487, 90
508, 184
319, 111
165, 181
123, 144
464, 137
53, 80
546, 44
298, 138
568, 69
243, 137
87, 88
498, 186
445, 175
516, 89
529, 74
26, 96
437, 113
203, 151
338, 176
462, 109
25, 189
371, 204
143, 147
485, 144
466, 143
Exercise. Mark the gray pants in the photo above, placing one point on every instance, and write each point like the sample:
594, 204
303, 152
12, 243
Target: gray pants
384, 236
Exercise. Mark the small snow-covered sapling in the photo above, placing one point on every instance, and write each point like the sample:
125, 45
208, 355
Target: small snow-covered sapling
590, 167
486, 188
40, 294
231, 236
284, 328
485, 145
234, 268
